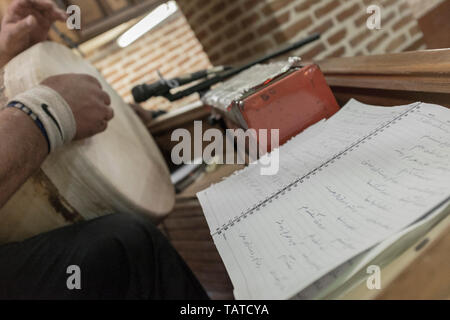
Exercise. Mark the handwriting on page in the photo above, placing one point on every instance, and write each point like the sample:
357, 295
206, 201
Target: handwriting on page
384, 184
300, 155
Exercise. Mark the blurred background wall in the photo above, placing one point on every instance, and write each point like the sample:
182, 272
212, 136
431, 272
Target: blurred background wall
233, 31
173, 49
214, 32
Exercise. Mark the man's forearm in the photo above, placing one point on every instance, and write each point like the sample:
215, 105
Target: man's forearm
23, 148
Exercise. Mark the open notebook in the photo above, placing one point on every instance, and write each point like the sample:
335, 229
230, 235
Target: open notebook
349, 190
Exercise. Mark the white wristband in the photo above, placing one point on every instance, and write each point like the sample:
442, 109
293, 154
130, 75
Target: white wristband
54, 113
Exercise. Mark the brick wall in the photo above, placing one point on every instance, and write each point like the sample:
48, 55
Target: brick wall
172, 48
233, 31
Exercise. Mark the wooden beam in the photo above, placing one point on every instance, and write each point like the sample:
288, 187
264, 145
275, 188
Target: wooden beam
391, 79
434, 63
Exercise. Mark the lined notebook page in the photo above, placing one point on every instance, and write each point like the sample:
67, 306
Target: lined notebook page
354, 270
297, 157
382, 184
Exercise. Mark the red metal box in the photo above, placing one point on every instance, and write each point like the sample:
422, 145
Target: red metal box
290, 102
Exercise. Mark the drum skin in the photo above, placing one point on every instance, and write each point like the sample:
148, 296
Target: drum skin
119, 170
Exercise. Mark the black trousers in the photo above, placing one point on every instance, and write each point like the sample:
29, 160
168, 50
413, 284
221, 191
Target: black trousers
115, 257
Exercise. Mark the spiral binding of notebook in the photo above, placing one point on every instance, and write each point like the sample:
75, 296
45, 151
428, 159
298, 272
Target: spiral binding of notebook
313, 172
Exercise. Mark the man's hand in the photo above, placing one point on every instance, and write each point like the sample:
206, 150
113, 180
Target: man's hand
89, 103
26, 23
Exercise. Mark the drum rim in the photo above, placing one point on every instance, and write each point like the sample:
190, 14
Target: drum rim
131, 205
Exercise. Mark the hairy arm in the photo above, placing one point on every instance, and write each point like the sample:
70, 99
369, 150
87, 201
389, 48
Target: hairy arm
23, 148
78, 99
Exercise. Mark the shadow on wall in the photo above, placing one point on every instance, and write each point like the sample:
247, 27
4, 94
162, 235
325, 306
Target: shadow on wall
435, 25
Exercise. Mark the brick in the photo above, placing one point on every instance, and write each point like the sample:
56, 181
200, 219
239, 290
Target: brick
323, 27
416, 45
273, 23
189, 13
233, 14
404, 6
402, 22
262, 46
250, 20
113, 61
214, 41
228, 61
190, 36
275, 6
360, 37
347, 13
293, 30
250, 4
414, 30
372, 45
395, 43
338, 36
216, 25
339, 52
185, 34
202, 35
201, 18
189, 48
170, 30
164, 43
215, 56
313, 52
232, 31
199, 51
386, 19
139, 66
181, 32
243, 55
166, 69
168, 58
388, 3
305, 5
330, 6
361, 20
123, 87
199, 6
110, 73
230, 47
183, 61
217, 8
246, 38
118, 78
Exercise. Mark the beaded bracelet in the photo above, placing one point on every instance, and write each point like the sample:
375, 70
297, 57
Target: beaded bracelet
33, 116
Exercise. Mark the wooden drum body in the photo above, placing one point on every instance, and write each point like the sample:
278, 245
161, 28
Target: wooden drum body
120, 170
